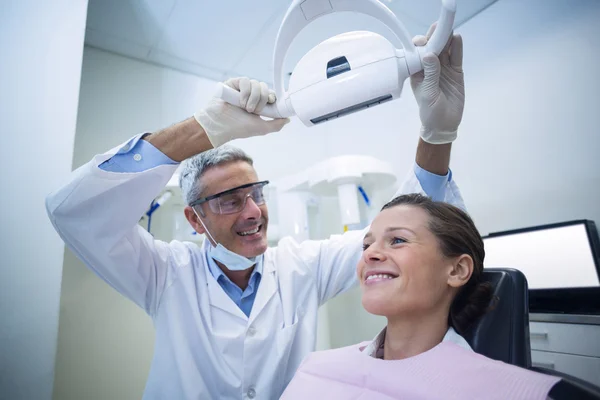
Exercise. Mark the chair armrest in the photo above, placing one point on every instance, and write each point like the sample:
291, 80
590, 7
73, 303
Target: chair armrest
570, 387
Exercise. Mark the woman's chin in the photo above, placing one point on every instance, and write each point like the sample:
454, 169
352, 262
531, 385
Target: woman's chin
377, 304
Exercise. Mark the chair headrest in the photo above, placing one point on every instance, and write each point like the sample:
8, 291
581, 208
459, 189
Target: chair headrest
503, 332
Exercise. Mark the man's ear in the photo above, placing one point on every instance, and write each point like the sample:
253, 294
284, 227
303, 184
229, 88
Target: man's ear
462, 269
192, 218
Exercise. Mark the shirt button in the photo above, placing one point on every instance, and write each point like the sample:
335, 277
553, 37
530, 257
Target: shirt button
251, 331
125, 148
251, 393
137, 157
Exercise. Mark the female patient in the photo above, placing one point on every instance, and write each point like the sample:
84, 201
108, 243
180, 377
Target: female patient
421, 268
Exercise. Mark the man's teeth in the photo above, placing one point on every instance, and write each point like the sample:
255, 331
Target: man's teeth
380, 276
252, 232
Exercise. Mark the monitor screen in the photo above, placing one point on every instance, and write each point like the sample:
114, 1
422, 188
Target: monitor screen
550, 257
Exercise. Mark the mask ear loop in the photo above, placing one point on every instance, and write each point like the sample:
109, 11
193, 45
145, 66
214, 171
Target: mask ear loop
210, 237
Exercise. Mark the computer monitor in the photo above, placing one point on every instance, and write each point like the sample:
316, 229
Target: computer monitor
564, 255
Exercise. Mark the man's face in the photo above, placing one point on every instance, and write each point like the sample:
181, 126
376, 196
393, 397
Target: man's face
234, 231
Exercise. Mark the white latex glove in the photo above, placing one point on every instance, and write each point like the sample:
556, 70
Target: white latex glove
223, 122
440, 90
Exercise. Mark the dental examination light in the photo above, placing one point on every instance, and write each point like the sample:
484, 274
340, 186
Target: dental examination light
348, 72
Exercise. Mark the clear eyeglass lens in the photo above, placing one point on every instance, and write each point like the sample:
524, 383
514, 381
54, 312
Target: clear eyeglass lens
235, 201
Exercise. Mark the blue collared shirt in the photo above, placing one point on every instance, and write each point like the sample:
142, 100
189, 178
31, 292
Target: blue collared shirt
136, 156
139, 155
433, 185
243, 298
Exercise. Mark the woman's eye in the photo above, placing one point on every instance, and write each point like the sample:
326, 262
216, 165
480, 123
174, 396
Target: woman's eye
398, 240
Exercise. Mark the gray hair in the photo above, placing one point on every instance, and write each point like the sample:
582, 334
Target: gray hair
194, 167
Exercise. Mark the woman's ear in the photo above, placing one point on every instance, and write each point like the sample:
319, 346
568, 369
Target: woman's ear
461, 271
192, 218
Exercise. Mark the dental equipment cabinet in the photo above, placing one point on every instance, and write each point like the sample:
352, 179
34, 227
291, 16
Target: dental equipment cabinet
562, 264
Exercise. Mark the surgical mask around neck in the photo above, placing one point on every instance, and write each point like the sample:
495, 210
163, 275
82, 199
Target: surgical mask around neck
233, 261
218, 252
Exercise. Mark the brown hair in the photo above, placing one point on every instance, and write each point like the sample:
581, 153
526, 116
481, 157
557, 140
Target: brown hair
457, 235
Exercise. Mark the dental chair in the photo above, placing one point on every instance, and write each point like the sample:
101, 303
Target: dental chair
503, 333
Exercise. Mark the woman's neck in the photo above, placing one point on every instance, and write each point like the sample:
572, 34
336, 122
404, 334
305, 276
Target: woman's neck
408, 336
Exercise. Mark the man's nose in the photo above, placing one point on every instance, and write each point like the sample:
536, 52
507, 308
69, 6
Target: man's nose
251, 210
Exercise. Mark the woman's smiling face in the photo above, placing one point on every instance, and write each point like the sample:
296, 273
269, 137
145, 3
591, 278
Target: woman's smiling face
403, 269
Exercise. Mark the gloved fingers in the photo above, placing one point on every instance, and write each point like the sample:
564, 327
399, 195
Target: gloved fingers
264, 97
274, 125
416, 80
254, 98
431, 81
456, 53
419, 40
431, 66
233, 83
245, 88
445, 53
448, 44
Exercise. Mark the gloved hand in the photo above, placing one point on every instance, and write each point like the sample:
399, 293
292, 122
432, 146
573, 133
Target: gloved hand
440, 90
223, 122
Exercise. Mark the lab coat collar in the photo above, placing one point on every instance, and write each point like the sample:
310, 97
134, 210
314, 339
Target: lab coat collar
375, 348
216, 295
218, 298
267, 288
218, 273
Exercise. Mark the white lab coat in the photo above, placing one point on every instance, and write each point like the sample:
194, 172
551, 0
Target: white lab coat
206, 348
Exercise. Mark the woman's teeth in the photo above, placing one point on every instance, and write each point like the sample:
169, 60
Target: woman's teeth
380, 276
252, 232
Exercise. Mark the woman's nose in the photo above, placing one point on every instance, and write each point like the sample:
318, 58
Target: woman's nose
373, 254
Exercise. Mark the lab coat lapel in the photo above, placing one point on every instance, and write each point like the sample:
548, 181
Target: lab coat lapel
216, 295
218, 298
266, 289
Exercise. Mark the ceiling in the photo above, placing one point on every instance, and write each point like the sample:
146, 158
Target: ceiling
218, 39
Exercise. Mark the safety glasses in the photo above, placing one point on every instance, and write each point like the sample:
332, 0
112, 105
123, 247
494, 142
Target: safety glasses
234, 200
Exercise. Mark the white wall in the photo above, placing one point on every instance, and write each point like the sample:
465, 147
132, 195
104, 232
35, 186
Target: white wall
529, 143
527, 151
105, 342
528, 147
41, 45
526, 154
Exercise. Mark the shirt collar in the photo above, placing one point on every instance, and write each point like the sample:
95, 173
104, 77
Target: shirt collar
375, 348
218, 273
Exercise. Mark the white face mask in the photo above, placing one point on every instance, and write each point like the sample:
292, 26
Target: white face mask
218, 252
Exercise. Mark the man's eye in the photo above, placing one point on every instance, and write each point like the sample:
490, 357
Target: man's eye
230, 202
365, 246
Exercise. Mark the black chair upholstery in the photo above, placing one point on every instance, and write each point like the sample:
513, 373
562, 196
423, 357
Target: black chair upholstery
570, 387
503, 332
